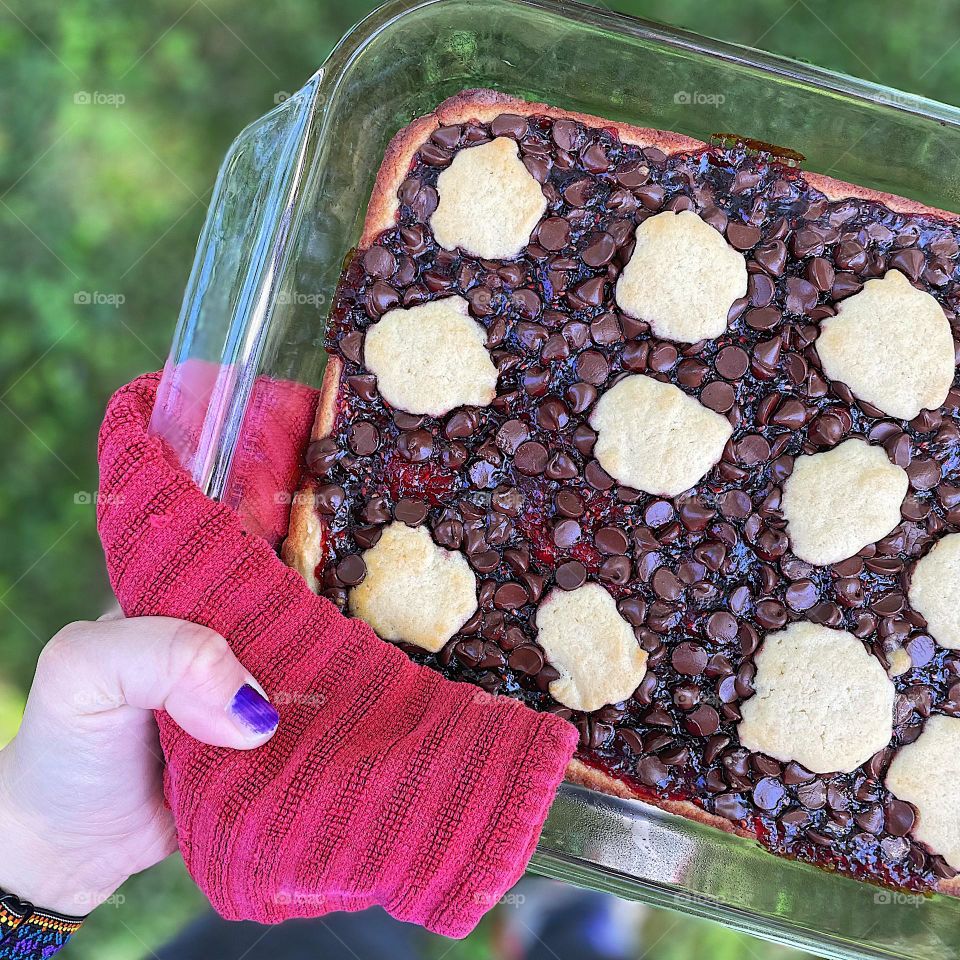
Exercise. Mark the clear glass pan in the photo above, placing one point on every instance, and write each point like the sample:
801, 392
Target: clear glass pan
288, 207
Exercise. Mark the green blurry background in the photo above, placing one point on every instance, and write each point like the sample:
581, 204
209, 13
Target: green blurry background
106, 198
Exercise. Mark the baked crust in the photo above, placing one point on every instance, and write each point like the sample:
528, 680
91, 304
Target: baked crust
305, 545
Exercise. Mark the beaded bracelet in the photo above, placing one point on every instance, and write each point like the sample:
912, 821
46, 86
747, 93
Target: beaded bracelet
28, 933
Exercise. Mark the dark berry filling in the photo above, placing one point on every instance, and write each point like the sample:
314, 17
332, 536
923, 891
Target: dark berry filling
700, 577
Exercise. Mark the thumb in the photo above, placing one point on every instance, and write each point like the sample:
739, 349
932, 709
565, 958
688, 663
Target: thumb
156, 663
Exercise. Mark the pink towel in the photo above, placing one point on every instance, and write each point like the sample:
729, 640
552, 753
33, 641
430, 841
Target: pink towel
385, 783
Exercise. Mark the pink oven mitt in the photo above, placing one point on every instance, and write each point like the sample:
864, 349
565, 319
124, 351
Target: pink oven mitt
384, 784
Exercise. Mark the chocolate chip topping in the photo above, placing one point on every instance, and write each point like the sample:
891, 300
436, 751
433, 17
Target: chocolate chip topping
701, 577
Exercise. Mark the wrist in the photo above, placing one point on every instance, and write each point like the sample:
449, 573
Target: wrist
34, 864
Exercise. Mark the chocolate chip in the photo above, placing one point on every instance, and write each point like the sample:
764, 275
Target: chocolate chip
566, 134
531, 458
329, 498
718, 396
526, 659
590, 293
820, 273
689, 659
511, 435
552, 414
415, 446
802, 595
449, 534
363, 438
351, 569
379, 262
579, 192
826, 430
658, 512
553, 233
771, 614
611, 540
772, 257
536, 381
509, 125
760, 289
322, 456
566, 533
367, 537
351, 346
599, 251
581, 396
753, 449
561, 467
605, 330
510, 596
720, 626
411, 512
382, 297
732, 363
733, 806
616, 570
769, 794
910, 262
742, 236
802, 295
924, 474
597, 477
813, 794
461, 424
663, 357
666, 585
571, 575
704, 721
592, 367
569, 504
899, 817
484, 561
584, 439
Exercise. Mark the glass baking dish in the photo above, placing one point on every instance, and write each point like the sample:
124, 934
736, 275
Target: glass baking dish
288, 207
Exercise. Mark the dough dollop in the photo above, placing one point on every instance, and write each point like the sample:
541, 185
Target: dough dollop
682, 277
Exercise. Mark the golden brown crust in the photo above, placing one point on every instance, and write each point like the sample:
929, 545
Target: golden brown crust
586, 776
483, 106
841, 190
304, 546
951, 886
306, 537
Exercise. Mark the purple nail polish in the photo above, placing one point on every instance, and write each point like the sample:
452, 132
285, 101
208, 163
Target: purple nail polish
255, 712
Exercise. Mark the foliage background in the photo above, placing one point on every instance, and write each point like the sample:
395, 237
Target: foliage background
109, 199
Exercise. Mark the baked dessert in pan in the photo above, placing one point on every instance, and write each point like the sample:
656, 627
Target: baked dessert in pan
665, 438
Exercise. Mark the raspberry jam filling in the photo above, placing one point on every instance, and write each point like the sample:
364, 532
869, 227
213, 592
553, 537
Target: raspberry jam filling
703, 576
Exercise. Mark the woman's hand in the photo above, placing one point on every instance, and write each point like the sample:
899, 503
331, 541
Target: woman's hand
81, 801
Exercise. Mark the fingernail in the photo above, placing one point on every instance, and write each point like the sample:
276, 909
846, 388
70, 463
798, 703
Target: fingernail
253, 711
